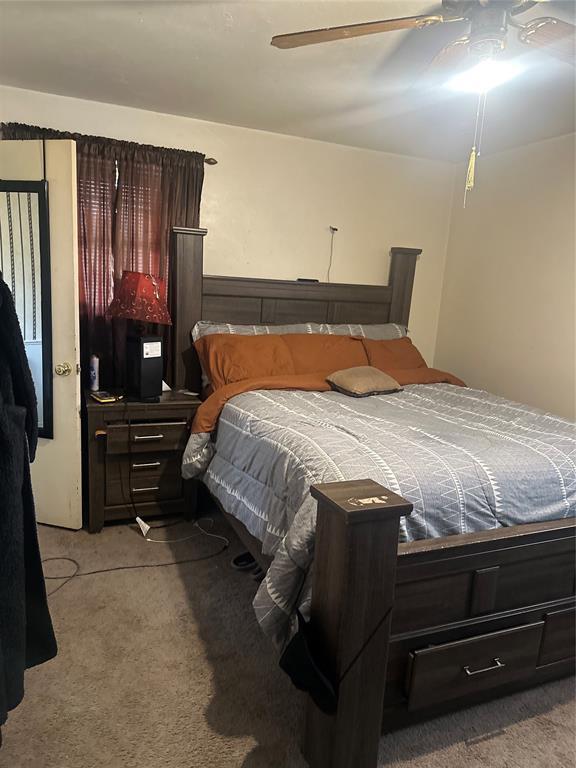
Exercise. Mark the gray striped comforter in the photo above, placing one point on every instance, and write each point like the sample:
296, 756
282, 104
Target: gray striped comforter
466, 459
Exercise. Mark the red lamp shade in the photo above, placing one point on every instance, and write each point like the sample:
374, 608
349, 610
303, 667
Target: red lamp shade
140, 297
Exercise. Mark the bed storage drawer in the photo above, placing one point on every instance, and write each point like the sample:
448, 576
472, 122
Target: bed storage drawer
559, 640
440, 673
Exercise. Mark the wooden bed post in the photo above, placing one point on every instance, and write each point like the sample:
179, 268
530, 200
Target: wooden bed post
352, 598
402, 271
186, 303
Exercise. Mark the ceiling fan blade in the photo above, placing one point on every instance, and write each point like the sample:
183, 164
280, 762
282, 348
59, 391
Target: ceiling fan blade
554, 36
449, 58
522, 7
313, 36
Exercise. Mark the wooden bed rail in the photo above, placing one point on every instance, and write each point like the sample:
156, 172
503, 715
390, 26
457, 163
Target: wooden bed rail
352, 597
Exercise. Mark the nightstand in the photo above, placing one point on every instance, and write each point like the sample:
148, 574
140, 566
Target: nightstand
134, 458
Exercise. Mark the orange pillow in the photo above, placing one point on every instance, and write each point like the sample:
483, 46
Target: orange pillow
393, 354
324, 353
227, 358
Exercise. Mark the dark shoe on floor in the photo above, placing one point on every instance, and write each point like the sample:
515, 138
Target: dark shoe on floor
243, 562
258, 574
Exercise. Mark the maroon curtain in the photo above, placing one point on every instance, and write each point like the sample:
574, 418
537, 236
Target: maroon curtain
96, 171
182, 180
158, 189
138, 212
130, 196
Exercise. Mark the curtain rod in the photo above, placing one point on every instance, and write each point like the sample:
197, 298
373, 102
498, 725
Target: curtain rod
24, 131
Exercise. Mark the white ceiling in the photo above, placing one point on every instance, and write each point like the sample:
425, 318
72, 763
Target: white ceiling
213, 60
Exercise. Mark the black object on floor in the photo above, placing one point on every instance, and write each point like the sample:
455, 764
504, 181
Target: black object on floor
243, 562
258, 574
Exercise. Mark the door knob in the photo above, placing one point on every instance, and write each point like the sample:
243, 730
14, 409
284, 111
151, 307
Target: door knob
63, 369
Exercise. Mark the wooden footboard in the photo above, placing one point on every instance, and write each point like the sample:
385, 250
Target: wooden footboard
353, 594
405, 632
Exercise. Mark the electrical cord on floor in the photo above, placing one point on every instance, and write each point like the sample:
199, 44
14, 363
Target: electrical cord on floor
146, 528
77, 572
168, 524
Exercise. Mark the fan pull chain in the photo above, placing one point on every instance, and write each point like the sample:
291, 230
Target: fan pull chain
475, 151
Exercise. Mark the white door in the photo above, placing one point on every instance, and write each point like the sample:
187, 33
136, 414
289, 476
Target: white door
56, 472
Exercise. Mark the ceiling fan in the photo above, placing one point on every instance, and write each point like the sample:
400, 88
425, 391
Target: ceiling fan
485, 24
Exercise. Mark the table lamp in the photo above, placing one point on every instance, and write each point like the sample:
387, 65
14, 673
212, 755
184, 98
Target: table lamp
142, 298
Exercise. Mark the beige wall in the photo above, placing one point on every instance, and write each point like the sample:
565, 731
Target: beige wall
271, 198
507, 321
504, 295
21, 161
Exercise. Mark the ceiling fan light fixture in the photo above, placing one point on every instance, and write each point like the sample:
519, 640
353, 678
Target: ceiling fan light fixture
484, 76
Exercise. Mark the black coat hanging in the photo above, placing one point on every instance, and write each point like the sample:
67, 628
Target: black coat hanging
26, 634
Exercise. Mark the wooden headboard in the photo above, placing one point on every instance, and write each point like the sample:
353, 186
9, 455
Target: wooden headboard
195, 296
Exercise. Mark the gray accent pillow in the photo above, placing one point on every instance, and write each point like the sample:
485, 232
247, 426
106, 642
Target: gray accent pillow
377, 331
362, 381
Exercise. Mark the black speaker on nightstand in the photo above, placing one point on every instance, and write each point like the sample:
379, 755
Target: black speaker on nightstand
144, 367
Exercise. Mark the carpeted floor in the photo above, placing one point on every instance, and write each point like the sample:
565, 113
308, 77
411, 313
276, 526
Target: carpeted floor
166, 668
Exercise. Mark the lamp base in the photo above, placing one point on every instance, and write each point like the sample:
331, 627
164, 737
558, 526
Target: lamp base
144, 367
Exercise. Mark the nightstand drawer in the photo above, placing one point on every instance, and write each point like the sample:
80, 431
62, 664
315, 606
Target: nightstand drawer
134, 479
146, 438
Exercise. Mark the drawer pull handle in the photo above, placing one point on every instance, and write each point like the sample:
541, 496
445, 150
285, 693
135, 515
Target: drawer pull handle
143, 490
148, 437
497, 665
146, 465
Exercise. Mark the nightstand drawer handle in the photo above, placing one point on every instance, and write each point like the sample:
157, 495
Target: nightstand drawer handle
143, 490
146, 465
149, 437
497, 665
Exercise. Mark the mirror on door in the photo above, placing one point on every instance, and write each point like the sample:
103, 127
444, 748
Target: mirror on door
25, 268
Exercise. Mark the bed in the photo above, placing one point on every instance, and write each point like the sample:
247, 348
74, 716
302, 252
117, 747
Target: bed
401, 631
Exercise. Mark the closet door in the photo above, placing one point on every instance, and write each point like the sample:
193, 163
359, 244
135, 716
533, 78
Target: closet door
56, 472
